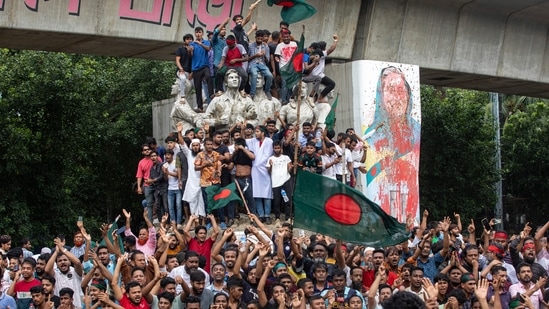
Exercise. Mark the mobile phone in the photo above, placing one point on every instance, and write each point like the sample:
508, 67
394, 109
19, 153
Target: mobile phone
15, 267
301, 233
486, 224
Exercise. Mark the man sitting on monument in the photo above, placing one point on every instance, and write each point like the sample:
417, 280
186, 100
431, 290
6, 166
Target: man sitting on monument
232, 58
258, 59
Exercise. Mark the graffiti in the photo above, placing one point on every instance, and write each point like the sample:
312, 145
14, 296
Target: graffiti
161, 13
203, 16
205, 13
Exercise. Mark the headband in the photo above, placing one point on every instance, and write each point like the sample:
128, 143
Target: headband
527, 246
496, 249
278, 265
100, 284
502, 235
230, 42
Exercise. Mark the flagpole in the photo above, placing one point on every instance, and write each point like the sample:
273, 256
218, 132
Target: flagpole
296, 132
242, 196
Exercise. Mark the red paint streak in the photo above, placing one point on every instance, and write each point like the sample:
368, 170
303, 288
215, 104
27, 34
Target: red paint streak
343, 209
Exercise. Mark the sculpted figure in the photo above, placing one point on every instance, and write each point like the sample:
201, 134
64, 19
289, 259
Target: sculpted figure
265, 107
231, 107
288, 112
183, 113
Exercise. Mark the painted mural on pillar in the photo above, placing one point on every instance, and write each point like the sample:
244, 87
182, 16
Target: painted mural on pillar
391, 126
206, 14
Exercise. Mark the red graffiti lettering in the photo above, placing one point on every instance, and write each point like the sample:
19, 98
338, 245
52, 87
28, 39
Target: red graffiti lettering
74, 7
203, 14
161, 12
32, 5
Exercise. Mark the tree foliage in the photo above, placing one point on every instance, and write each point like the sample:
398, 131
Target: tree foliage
457, 167
71, 131
526, 156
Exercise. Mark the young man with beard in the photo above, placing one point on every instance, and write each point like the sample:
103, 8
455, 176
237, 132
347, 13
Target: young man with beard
356, 280
229, 256
142, 175
198, 289
279, 166
468, 285
183, 273
499, 280
48, 283
377, 287
342, 292
494, 256
208, 162
528, 251
192, 193
167, 299
378, 259
242, 159
201, 243
41, 262
225, 158
527, 287
422, 255
329, 159
132, 298
262, 147
66, 276
20, 288
39, 298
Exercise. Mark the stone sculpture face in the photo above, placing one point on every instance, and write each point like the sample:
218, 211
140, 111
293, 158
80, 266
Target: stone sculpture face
260, 81
232, 80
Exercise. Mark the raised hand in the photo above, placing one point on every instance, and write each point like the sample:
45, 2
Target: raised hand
482, 288
127, 214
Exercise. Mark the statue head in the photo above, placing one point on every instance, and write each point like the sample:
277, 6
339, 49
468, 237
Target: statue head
303, 90
260, 81
232, 79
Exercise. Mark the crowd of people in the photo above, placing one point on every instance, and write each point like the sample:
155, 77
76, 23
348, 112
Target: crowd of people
171, 266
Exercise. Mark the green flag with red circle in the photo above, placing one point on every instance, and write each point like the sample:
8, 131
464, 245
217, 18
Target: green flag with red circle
327, 206
219, 197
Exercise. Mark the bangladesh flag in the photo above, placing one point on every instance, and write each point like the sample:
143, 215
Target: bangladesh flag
294, 10
292, 71
219, 197
331, 118
329, 207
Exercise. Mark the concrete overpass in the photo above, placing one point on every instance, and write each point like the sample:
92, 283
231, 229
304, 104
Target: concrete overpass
496, 45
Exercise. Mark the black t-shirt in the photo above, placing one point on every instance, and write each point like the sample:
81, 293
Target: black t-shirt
222, 150
185, 59
272, 49
240, 158
241, 37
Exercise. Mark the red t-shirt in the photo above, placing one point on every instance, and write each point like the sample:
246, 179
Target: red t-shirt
204, 249
128, 304
368, 278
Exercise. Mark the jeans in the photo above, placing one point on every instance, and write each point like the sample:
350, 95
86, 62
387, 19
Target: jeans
198, 76
161, 197
284, 93
174, 204
182, 79
263, 206
329, 85
148, 191
279, 206
267, 76
245, 184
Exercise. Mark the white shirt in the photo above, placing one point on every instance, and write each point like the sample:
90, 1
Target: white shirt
182, 272
279, 170
330, 171
69, 280
173, 182
285, 51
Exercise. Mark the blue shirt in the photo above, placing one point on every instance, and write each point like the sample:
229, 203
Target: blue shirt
218, 44
200, 56
430, 267
6, 300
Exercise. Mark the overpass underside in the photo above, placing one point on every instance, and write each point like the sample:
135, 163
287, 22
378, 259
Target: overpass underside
492, 45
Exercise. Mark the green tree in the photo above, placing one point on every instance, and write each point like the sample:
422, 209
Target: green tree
526, 158
71, 131
457, 169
